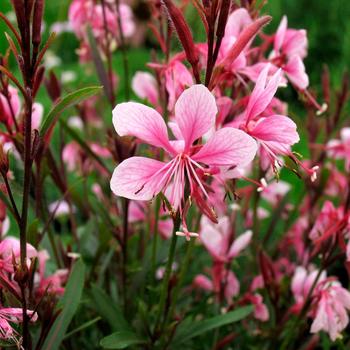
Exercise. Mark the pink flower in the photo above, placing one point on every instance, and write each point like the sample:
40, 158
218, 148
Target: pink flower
145, 87
37, 115
290, 47
10, 315
275, 133
328, 223
261, 312
331, 310
138, 212
217, 239
223, 280
302, 282
290, 42
141, 178
60, 208
10, 107
340, 149
9, 248
275, 191
53, 283
177, 79
237, 21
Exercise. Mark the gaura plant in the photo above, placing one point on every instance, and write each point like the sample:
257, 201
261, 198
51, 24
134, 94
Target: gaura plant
225, 222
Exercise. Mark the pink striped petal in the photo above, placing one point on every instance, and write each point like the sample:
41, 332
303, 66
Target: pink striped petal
277, 128
295, 71
239, 244
263, 93
227, 147
145, 123
195, 112
145, 86
280, 35
139, 178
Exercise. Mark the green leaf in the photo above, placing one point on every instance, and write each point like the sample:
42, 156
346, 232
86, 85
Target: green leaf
189, 330
109, 310
69, 305
32, 232
70, 100
121, 340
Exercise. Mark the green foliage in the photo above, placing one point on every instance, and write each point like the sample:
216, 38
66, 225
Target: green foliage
69, 305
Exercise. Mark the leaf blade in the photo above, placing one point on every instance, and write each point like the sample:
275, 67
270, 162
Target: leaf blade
109, 310
189, 331
121, 340
69, 100
69, 303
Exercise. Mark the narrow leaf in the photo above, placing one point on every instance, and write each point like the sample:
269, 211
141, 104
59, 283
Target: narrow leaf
100, 68
108, 309
121, 340
69, 305
189, 330
66, 102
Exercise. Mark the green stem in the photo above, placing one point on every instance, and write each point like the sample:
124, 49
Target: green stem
155, 237
164, 292
124, 53
302, 312
184, 268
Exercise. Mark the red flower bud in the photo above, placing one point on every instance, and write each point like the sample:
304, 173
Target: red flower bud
184, 33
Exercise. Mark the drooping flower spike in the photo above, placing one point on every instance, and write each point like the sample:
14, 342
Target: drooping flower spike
141, 178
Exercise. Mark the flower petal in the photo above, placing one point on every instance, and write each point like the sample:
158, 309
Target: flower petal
295, 71
195, 112
139, 178
145, 123
277, 128
145, 86
263, 93
240, 243
280, 35
227, 147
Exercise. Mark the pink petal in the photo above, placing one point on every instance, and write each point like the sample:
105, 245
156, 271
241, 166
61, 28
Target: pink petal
203, 282
145, 123
276, 128
237, 21
240, 243
263, 93
195, 112
227, 147
139, 178
145, 86
295, 71
136, 211
232, 286
215, 237
37, 115
280, 35
295, 43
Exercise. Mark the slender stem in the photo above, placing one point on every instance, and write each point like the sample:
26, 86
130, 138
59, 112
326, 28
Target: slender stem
124, 52
166, 279
125, 250
108, 52
183, 272
155, 237
291, 334
12, 200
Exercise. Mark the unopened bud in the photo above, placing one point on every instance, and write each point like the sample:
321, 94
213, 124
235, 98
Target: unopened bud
4, 162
